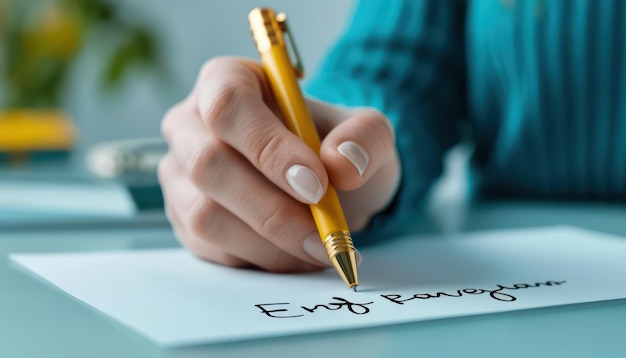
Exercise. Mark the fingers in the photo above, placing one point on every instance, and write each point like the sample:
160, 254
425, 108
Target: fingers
357, 148
231, 102
168, 172
220, 173
214, 233
360, 158
223, 194
236, 180
223, 175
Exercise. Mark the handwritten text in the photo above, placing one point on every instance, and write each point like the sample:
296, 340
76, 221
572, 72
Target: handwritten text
502, 293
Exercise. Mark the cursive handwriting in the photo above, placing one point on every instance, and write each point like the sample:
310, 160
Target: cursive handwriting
356, 308
496, 294
500, 293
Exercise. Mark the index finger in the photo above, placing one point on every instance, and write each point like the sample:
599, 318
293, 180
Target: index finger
233, 99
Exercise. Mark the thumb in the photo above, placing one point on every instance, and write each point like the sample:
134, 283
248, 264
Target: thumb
357, 148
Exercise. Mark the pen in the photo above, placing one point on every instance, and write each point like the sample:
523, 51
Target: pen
268, 30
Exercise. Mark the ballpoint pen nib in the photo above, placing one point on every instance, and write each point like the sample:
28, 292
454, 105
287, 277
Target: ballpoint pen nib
354, 288
345, 264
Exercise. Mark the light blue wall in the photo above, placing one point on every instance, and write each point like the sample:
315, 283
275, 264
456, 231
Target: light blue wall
192, 32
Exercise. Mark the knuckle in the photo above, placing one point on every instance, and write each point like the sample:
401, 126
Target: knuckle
268, 157
165, 168
208, 157
212, 65
168, 124
372, 112
224, 97
175, 223
377, 124
171, 215
207, 67
201, 217
272, 221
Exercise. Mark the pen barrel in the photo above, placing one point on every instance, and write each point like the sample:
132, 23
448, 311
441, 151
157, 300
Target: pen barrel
328, 214
282, 76
284, 84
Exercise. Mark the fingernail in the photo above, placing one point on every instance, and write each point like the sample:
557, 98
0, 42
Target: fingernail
304, 182
314, 247
355, 154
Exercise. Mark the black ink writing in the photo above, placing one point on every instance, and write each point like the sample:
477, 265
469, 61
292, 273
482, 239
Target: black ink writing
356, 308
499, 293
496, 293
271, 313
338, 304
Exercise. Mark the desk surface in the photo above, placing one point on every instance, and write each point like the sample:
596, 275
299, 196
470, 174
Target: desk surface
37, 320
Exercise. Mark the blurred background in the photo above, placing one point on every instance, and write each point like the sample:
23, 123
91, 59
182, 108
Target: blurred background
125, 62
76, 75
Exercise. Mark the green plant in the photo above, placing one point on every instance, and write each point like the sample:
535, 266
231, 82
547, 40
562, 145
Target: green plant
40, 39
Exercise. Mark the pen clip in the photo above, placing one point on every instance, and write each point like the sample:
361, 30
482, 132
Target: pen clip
282, 23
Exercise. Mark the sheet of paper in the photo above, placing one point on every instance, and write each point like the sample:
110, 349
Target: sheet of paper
175, 299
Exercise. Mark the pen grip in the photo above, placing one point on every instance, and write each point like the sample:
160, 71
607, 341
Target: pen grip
327, 214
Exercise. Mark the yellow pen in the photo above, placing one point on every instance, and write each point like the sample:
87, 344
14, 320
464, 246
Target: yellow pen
268, 30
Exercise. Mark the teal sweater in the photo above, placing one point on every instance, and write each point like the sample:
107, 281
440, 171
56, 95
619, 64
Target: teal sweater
540, 83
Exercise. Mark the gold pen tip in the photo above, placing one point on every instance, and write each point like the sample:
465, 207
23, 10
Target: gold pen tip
345, 264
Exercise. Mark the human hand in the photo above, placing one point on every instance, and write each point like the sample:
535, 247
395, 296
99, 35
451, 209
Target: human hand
236, 181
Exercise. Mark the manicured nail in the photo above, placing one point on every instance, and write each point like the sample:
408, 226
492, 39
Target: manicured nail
304, 182
314, 247
355, 154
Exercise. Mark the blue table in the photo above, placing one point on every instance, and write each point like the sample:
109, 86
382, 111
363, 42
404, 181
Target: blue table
37, 320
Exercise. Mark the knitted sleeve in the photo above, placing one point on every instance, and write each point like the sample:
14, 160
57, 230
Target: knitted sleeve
406, 58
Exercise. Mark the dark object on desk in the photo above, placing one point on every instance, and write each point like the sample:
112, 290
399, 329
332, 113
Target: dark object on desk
146, 197
133, 162
134, 158
34, 157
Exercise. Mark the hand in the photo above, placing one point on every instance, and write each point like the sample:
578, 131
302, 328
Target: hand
236, 181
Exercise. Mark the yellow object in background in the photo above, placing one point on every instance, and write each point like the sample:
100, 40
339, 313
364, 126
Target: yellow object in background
36, 130
57, 35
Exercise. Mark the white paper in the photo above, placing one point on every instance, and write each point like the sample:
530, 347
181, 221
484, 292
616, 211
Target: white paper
175, 299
